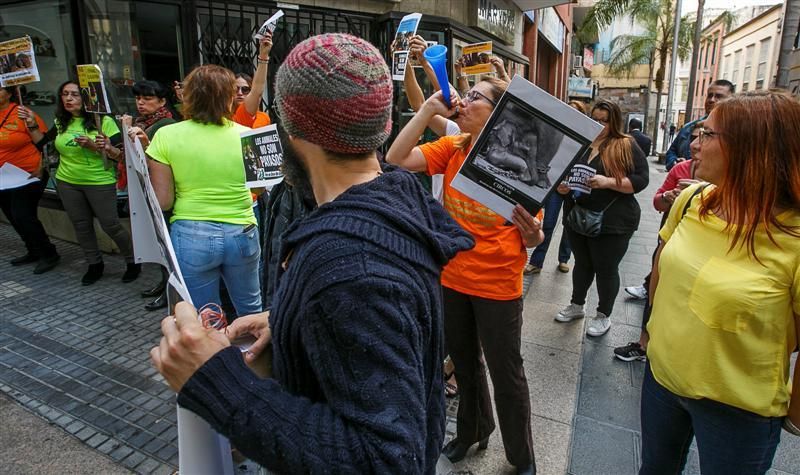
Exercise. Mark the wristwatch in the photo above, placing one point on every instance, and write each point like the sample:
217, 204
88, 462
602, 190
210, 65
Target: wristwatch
32, 127
789, 426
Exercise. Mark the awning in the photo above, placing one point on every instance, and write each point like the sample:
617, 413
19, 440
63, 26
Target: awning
526, 5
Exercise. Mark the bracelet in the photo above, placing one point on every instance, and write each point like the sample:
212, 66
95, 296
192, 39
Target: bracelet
461, 77
789, 426
32, 127
261, 60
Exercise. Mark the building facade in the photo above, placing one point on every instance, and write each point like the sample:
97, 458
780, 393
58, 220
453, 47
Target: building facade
163, 40
750, 52
708, 62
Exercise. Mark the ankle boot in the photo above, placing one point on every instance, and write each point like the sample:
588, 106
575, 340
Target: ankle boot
93, 274
159, 303
131, 272
456, 450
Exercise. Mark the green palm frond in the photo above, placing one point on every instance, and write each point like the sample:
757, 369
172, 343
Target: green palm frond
630, 51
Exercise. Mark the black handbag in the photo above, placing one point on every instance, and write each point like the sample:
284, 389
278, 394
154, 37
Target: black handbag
585, 221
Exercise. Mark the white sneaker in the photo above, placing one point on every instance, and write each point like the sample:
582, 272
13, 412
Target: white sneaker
570, 312
637, 291
599, 325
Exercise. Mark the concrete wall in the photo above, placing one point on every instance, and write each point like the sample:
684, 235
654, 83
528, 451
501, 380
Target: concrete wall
58, 226
456, 9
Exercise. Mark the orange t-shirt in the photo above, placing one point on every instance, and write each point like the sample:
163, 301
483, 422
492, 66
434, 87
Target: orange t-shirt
493, 268
241, 117
16, 146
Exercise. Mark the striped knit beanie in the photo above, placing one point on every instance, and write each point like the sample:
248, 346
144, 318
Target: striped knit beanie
334, 90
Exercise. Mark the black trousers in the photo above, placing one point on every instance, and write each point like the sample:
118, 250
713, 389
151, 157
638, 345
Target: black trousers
472, 323
20, 205
597, 256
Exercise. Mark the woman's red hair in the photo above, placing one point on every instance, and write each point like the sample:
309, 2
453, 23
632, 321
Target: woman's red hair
760, 140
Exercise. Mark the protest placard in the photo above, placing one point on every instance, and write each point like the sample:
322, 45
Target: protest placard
578, 179
406, 30
269, 25
17, 62
475, 58
262, 154
93, 89
526, 148
415, 62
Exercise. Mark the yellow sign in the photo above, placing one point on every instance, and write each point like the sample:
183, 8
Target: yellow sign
475, 58
93, 89
17, 62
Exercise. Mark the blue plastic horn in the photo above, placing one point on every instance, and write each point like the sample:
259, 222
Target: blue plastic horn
437, 58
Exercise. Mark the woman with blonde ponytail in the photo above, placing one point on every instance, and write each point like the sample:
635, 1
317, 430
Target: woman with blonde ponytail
621, 172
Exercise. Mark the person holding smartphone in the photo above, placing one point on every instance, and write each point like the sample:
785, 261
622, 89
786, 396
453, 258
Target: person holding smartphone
86, 179
197, 171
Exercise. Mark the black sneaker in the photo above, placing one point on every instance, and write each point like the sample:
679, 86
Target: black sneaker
46, 263
131, 273
93, 274
631, 352
22, 260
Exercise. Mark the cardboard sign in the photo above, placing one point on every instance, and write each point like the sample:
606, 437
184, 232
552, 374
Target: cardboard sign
93, 89
527, 147
262, 154
17, 62
268, 26
578, 179
406, 30
475, 58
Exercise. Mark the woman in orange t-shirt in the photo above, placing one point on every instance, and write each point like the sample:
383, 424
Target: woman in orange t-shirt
249, 89
20, 204
482, 287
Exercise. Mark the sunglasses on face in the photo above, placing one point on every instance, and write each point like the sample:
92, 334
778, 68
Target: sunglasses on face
474, 95
244, 89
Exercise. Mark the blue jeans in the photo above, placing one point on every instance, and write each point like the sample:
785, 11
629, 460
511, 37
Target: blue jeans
207, 251
551, 211
729, 439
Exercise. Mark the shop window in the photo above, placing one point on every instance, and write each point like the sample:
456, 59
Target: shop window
129, 43
49, 26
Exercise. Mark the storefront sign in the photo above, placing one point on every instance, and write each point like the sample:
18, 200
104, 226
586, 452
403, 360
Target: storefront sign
580, 87
551, 28
588, 59
499, 18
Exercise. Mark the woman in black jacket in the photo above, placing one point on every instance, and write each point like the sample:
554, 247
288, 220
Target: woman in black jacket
621, 171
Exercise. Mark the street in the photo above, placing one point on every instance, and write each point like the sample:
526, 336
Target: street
77, 358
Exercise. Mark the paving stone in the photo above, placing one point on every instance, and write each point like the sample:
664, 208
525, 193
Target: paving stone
120, 453
601, 449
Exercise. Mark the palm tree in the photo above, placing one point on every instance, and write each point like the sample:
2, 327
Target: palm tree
652, 47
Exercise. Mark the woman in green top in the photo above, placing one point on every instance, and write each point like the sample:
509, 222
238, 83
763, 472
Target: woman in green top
197, 171
86, 181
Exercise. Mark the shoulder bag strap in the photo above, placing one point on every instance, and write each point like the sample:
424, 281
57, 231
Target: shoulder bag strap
689, 201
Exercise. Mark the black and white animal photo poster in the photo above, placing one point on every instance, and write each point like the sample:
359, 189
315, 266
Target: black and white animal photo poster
526, 148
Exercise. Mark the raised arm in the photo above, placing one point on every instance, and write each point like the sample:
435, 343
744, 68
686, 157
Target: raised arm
404, 151
253, 99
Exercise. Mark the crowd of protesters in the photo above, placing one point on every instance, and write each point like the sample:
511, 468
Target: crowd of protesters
359, 280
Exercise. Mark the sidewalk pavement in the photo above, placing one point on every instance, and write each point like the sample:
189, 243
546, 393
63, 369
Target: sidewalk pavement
77, 357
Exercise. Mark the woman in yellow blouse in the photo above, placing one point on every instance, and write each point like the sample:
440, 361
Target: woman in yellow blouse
726, 297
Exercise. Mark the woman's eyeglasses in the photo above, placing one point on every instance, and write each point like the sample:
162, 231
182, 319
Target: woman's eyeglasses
705, 134
244, 89
474, 95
